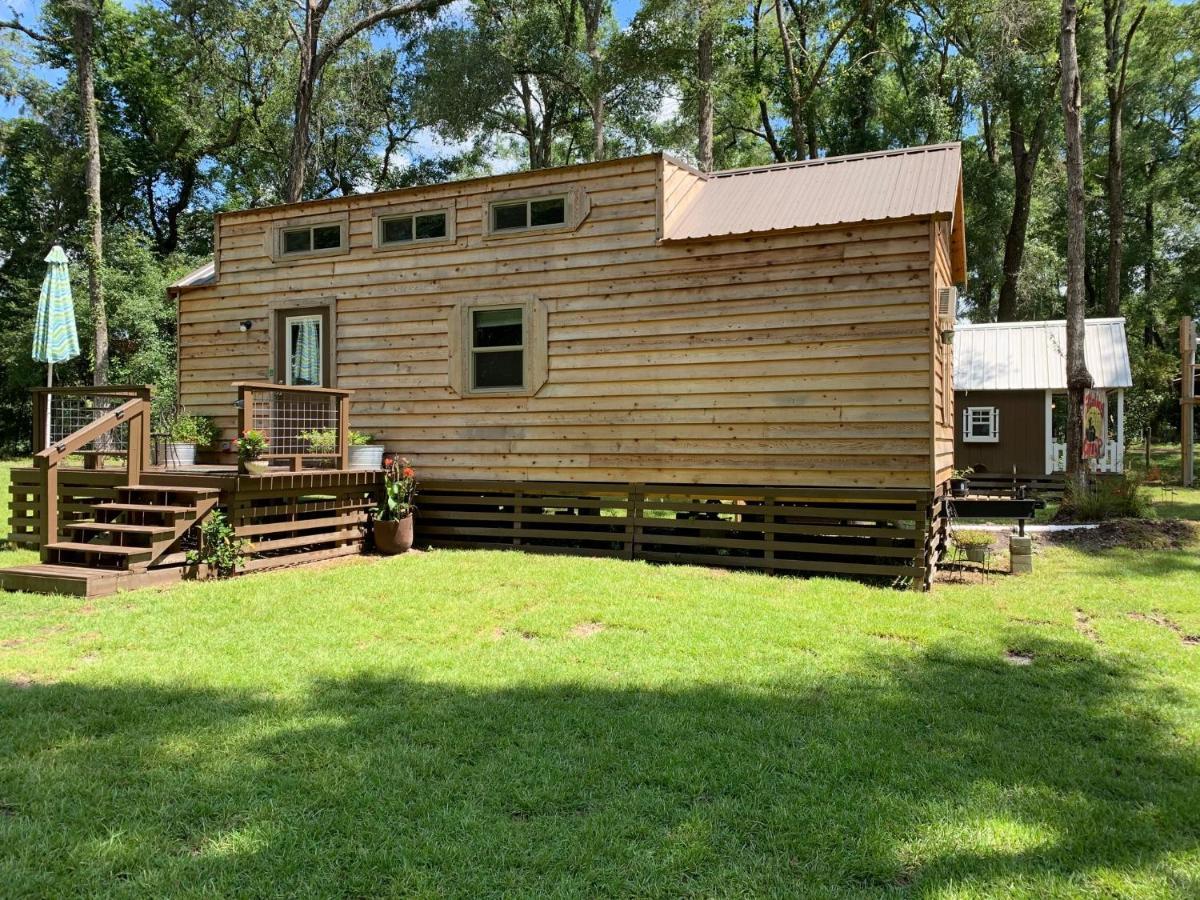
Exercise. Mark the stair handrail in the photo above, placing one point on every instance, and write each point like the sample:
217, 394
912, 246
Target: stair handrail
135, 411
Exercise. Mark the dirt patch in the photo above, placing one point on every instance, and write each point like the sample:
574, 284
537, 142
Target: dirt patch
897, 639
499, 633
11, 643
1018, 657
1083, 624
1157, 618
586, 629
1135, 534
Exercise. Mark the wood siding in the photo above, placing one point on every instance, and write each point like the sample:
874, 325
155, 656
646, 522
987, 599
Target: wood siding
1022, 434
807, 358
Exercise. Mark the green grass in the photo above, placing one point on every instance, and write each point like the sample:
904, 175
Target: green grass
486, 724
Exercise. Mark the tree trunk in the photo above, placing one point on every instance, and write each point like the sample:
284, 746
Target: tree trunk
83, 33
1024, 169
592, 13
1078, 377
795, 103
305, 87
704, 92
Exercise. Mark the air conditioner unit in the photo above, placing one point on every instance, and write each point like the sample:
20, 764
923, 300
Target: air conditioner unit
947, 309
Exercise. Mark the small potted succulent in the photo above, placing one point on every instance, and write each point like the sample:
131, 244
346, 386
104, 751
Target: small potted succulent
251, 447
975, 544
363, 453
958, 482
185, 433
393, 525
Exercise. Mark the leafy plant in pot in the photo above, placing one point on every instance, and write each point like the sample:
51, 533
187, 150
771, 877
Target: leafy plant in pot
185, 433
959, 485
975, 544
251, 447
393, 526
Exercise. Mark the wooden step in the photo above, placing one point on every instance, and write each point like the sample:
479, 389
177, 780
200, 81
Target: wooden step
125, 554
149, 531
173, 511
193, 492
80, 581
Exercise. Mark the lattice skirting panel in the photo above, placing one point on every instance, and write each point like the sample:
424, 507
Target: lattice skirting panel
890, 535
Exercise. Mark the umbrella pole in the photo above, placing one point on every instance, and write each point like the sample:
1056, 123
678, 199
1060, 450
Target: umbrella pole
49, 401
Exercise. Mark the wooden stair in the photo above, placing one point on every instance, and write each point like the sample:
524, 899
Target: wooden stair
118, 546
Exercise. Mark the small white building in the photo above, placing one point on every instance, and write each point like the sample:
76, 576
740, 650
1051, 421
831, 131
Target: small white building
1010, 391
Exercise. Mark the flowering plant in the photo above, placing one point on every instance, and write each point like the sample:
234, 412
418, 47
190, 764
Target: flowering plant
399, 489
251, 445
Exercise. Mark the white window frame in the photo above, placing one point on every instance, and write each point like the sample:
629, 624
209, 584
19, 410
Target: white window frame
287, 346
991, 415
473, 351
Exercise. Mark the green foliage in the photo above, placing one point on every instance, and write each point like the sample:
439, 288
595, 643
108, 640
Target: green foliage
1107, 498
251, 445
199, 430
968, 539
320, 440
220, 548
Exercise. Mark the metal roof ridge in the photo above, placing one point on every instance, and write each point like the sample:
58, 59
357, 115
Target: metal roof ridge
1101, 320
830, 160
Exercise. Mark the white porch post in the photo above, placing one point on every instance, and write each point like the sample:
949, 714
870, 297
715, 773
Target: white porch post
1120, 429
1049, 439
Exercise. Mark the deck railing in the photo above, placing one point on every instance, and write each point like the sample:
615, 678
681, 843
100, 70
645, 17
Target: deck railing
89, 423
305, 426
1113, 460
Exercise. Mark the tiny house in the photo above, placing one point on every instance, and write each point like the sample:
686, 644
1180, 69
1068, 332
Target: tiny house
627, 357
1010, 385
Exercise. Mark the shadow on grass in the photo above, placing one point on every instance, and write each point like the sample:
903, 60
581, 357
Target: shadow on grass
940, 769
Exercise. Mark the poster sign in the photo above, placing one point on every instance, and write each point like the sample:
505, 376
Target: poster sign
1095, 424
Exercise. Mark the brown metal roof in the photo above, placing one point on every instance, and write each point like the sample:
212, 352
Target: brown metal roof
836, 190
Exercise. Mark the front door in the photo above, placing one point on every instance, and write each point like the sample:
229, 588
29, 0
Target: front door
302, 347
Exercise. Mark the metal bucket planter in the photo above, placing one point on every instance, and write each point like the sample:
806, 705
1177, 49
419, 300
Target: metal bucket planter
977, 553
179, 455
366, 456
394, 537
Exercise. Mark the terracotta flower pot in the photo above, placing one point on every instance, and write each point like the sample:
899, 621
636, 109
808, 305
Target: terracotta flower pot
394, 537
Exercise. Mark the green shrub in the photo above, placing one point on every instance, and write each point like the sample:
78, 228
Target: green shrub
199, 430
320, 440
967, 539
1106, 498
220, 549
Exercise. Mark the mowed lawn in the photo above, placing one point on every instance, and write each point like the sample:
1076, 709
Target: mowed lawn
487, 724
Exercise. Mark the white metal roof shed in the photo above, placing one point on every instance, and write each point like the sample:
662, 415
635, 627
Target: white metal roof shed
1031, 356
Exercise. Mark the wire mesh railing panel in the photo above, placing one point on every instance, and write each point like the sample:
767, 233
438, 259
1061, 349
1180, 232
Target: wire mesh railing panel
297, 424
68, 413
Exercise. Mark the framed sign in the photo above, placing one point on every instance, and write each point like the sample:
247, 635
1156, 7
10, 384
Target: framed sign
1095, 424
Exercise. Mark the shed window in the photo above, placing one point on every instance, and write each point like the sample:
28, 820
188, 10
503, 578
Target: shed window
981, 424
497, 347
311, 238
419, 227
515, 215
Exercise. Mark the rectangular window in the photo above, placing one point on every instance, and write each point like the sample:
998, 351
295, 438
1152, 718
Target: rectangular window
516, 215
418, 227
981, 425
497, 348
310, 239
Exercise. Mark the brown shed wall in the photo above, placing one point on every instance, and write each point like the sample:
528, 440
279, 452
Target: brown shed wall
1022, 433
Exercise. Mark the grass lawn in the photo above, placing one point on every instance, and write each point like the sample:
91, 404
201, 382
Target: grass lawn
485, 724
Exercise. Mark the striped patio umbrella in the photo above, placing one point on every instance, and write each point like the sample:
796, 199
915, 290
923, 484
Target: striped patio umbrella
54, 336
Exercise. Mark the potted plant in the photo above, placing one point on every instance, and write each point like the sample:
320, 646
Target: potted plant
251, 447
975, 544
958, 482
393, 526
363, 453
185, 433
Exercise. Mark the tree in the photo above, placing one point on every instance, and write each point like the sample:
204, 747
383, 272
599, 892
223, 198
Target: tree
1079, 380
705, 35
314, 54
1117, 46
79, 44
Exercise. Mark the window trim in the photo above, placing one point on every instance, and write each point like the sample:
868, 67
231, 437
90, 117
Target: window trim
993, 414
404, 210
275, 237
577, 206
294, 306
534, 321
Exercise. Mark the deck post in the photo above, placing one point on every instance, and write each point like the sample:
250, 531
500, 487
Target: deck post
49, 505
343, 403
133, 454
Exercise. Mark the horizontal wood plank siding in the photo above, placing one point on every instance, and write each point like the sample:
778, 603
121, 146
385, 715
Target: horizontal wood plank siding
791, 359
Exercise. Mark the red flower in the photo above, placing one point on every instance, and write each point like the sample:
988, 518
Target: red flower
408, 472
